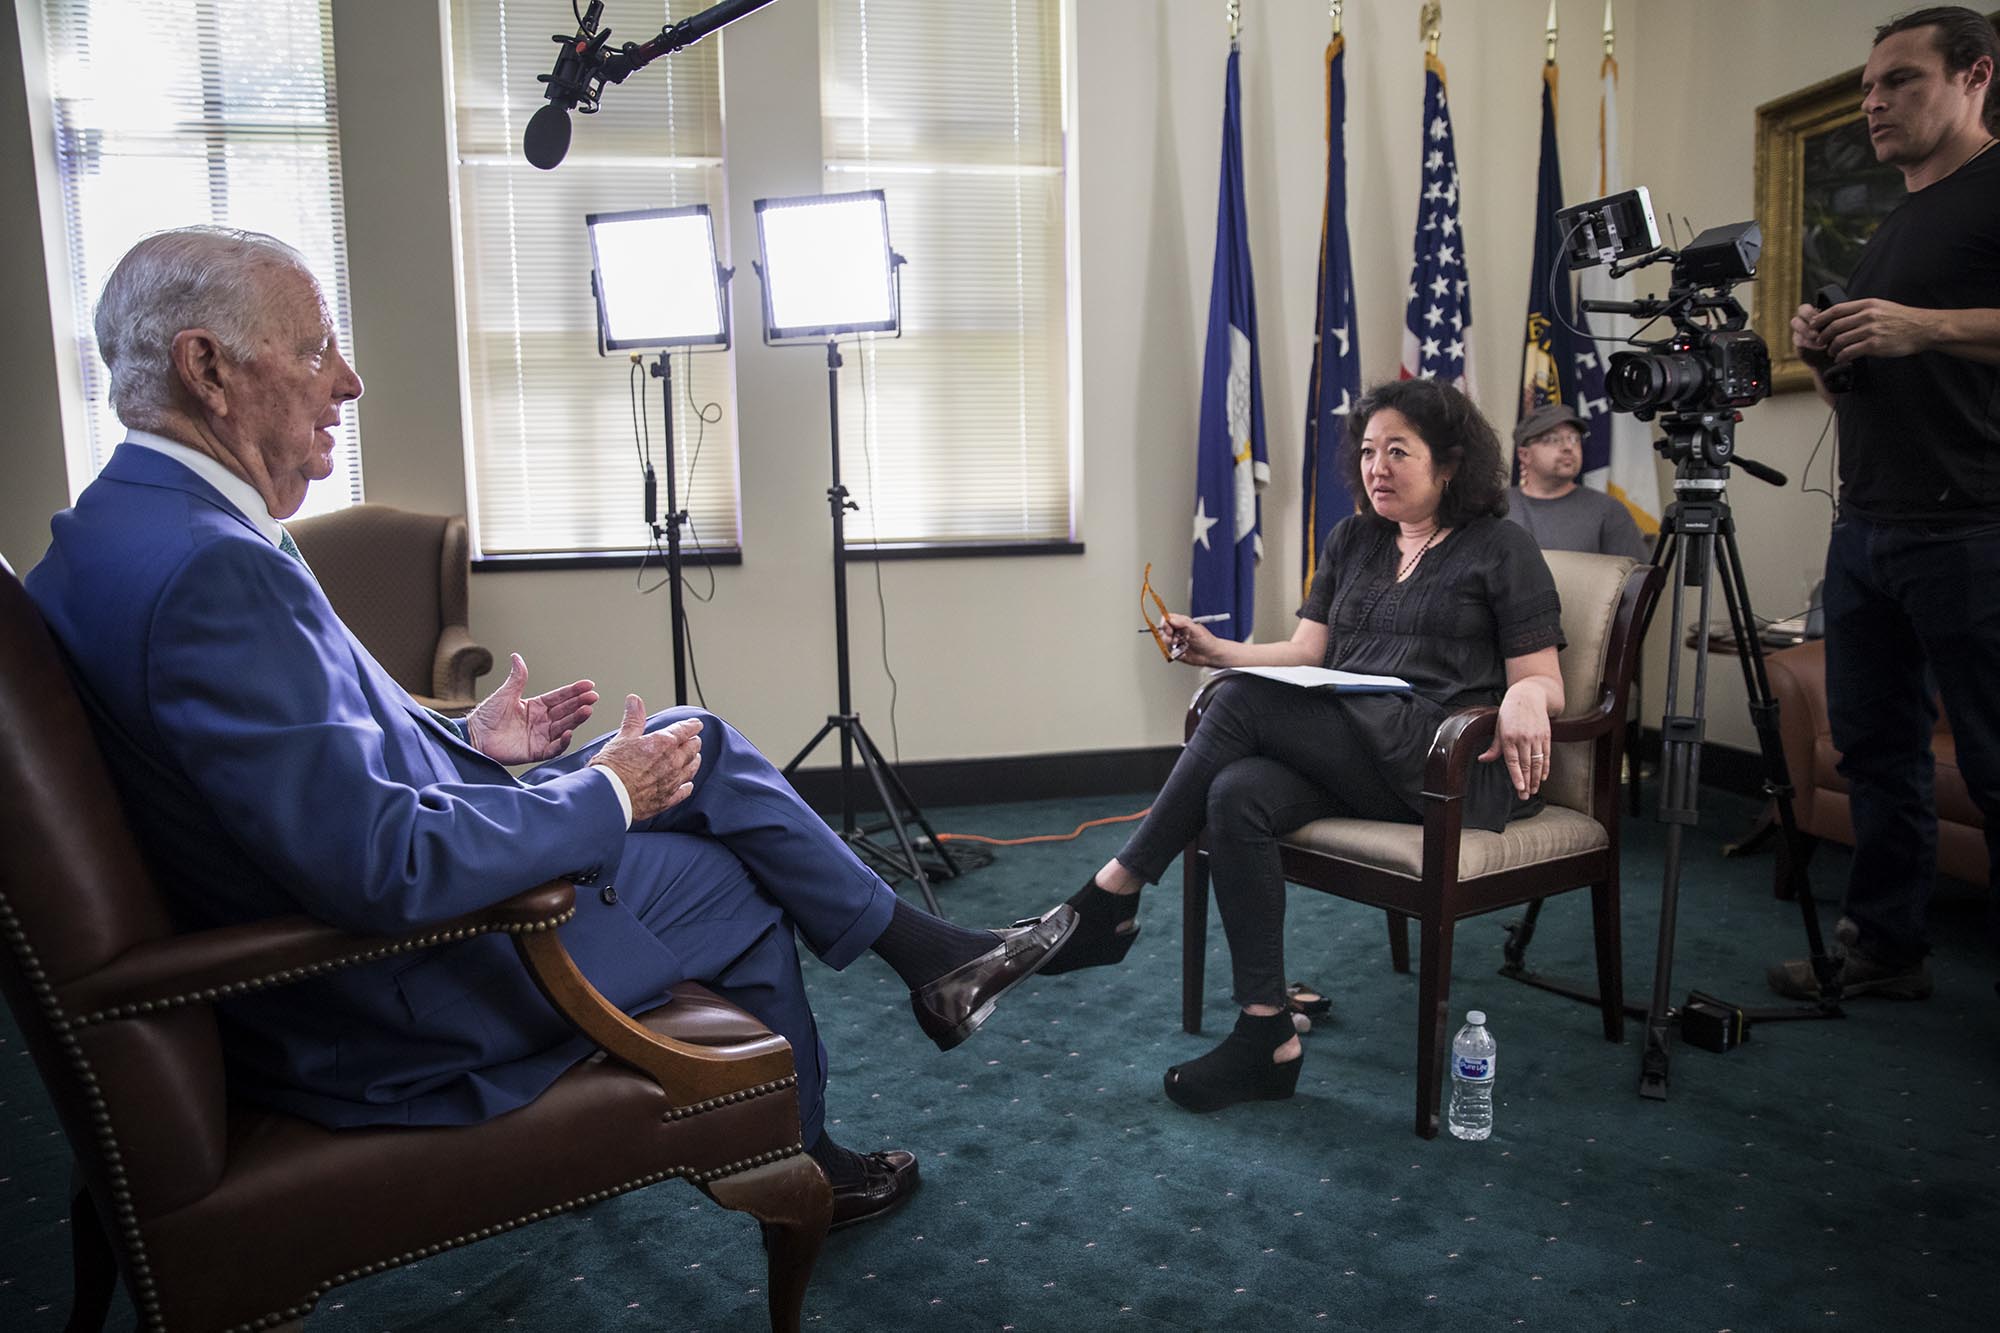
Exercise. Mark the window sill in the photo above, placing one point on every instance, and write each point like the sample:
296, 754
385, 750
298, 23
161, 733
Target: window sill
547, 560
958, 550
561, 560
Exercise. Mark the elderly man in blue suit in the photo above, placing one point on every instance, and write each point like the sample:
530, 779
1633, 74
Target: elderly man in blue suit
270, 765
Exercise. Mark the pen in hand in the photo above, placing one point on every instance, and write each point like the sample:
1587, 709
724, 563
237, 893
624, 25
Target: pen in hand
1201, 620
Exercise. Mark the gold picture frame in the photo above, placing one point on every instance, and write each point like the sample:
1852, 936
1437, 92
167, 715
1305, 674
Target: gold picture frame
1820, 196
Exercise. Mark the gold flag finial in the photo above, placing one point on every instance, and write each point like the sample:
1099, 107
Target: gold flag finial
1610, 36
1235, 20
1333, 12
1431, 23
1552, 32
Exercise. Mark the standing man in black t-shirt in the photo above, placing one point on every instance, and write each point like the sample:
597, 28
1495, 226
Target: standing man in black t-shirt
1913, 565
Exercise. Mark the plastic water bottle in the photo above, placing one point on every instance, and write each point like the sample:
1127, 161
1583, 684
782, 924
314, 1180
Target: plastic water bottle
1473, 1054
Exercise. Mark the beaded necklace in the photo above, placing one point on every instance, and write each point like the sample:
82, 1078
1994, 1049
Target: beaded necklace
1411, 563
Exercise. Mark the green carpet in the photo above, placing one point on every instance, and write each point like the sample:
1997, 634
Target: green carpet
1824, 1176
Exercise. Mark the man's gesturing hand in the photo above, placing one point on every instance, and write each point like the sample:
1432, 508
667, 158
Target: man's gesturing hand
518, 730
658, 767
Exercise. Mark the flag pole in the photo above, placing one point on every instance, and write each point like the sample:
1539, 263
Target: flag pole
1431, 26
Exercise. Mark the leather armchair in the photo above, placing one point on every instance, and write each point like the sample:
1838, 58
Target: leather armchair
1819, 800
118, 1009
401, 581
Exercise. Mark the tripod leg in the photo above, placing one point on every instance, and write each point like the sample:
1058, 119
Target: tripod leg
869, 759
1680, 771
810, 746
902, 794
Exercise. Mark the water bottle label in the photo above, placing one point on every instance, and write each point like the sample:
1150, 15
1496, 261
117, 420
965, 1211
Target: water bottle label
1475, 1068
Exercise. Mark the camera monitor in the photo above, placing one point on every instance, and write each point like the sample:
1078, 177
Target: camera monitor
1618, 226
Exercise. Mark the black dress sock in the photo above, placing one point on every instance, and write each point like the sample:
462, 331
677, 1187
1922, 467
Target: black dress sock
922, 947
843, 1166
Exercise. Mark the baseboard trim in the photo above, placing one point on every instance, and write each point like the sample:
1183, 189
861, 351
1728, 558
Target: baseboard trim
1077, 773
1006, 778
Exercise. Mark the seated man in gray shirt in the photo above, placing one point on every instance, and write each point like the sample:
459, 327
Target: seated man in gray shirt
1558, 513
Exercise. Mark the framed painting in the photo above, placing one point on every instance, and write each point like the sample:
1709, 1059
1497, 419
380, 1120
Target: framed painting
1820, 196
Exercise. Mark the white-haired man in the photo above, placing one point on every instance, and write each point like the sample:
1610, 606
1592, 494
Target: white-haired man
270, 765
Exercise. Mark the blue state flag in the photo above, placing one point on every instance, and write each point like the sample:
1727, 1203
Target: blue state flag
1336, 370
1231, 466
1550, 347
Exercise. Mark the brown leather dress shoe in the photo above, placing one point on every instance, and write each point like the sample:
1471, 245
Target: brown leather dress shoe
887, 1183
952, 1007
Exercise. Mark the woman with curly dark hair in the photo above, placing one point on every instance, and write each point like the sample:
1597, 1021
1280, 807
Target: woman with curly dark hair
1427, 582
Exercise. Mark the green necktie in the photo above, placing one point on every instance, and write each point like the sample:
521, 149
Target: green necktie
291, 548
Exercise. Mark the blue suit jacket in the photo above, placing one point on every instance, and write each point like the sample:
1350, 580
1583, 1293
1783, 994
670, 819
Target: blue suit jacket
269, 765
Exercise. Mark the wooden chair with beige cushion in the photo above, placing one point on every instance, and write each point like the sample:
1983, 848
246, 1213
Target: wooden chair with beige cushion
223, 1215
1438, 872
400, 581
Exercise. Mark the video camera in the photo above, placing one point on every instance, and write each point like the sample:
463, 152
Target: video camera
1711, 363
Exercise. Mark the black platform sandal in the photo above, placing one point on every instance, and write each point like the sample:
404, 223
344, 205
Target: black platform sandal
1240, 1069
1097, 941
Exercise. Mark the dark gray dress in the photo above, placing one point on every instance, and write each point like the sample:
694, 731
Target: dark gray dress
1480, 596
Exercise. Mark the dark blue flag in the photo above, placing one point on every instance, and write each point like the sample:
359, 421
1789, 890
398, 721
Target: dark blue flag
1437, 321
1336, 370
1230, 463
1550, 347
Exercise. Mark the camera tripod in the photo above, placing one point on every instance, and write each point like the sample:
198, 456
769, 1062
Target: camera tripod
1698, 540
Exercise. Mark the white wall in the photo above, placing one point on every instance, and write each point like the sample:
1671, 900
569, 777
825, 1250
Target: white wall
1027, 655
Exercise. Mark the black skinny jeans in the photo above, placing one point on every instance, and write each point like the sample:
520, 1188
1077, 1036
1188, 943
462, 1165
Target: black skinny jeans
1266, 758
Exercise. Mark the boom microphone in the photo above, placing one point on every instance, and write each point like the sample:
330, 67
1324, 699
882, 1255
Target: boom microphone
546, 141
547, 138
584, 66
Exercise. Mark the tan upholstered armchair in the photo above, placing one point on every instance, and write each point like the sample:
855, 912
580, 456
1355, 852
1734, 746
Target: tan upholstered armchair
1819, 800
1438, 872
219, 1214
400, 582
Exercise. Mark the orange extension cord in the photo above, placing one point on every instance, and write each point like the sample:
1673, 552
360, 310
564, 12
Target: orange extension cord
1076, 832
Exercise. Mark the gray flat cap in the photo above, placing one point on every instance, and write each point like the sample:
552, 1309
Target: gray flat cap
1545, 419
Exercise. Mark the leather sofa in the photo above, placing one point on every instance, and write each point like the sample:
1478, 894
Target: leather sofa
1798, 682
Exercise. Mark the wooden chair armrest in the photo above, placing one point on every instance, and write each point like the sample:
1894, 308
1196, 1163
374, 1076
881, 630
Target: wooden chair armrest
1466, 734
686, 1072
1460, 738
201, 967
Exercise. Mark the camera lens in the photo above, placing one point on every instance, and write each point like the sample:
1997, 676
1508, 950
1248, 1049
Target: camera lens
1649, 381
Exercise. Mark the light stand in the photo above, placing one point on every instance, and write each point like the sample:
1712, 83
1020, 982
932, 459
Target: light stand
662, 370
828, 269
657, 284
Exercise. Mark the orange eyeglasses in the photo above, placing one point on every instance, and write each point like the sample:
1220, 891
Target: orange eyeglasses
1161, 632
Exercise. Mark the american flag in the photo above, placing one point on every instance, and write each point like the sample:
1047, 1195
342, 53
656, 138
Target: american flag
1437, 322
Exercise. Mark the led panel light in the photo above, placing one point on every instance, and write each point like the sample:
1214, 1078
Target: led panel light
656, 278
827, 265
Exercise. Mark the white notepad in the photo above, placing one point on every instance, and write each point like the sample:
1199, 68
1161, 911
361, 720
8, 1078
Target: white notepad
1323, 678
